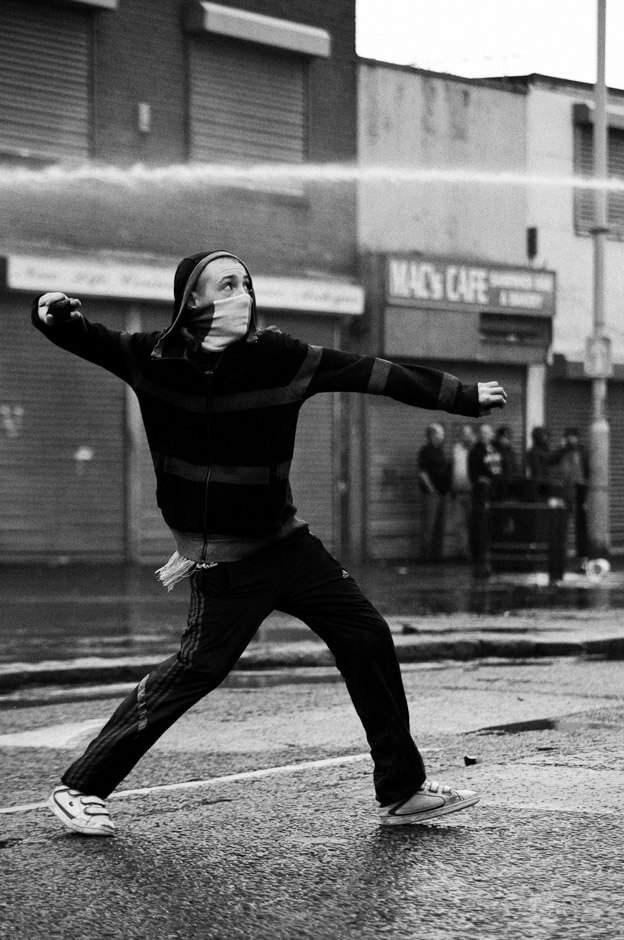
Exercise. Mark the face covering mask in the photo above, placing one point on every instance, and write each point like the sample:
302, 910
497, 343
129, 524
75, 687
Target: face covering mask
220, 323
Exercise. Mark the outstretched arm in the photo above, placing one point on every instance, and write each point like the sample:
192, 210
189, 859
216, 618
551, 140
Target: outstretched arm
330, 370
59, 318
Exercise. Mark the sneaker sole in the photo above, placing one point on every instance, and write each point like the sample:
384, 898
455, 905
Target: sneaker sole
75, 827
412, 819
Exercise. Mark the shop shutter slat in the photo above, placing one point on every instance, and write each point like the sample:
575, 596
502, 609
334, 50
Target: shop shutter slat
246, 103
44, 78
615, 397
52, 504
396, 432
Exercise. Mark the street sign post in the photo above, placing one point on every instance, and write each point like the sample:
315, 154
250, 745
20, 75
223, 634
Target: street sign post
598, 361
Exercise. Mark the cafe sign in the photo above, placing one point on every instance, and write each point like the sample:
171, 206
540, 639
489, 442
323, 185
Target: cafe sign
420, 281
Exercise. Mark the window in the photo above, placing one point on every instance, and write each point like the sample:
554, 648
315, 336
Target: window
512, 330
248, 84
247, 103
584, 166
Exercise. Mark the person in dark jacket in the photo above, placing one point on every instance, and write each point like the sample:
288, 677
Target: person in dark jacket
503, 442
571, 461
485, 469
462, 492
539, 457
220, 400
435, 474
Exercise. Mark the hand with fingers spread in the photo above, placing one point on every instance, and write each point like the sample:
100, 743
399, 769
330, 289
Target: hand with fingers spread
491, 395
55, 307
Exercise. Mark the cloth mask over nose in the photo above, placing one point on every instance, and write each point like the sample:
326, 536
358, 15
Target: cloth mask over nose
221, 322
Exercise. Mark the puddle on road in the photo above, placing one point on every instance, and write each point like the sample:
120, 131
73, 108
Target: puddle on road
580, 722
118, 611
519, 727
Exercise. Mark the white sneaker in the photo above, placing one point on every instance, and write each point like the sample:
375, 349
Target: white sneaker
433, 799
80, 812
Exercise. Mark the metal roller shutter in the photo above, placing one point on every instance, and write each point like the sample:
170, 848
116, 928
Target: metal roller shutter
246, 103
61, 454
312, 475
44, 78
396, 432
616, 465
569, 403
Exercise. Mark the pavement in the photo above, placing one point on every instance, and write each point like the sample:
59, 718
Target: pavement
435, 613
253, 817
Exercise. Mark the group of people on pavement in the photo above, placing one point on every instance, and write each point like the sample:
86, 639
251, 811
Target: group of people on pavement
483, 466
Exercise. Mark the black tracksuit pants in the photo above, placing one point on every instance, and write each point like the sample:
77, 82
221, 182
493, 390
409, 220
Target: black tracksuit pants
228, 604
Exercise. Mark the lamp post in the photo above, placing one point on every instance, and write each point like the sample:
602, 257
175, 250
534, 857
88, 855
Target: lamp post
598, 365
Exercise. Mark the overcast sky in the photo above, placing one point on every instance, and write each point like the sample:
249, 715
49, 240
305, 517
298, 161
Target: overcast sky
493, 37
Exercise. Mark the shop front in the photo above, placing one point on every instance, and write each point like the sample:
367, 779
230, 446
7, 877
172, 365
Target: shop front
76, 480
474, 319
569, 404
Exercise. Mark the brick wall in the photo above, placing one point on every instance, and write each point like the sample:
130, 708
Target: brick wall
140, 57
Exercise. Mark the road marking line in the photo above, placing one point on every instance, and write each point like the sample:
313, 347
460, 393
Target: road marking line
54, 736
25, 808
212, 781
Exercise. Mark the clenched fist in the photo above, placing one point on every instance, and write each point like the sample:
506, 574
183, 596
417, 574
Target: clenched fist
491, 395
55, 307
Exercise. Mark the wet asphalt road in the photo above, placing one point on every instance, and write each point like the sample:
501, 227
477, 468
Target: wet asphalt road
300, 853
112, 611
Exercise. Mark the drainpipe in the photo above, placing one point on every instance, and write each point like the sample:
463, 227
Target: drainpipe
598, 365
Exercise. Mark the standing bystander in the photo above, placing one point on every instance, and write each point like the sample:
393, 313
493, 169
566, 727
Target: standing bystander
435, 475
462, 492
538, 464
572, 463
485, 466
503, 441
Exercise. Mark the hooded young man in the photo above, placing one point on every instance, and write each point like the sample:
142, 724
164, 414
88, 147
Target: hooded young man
220, 401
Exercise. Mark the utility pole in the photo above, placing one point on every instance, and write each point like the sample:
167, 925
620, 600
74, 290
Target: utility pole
598, 365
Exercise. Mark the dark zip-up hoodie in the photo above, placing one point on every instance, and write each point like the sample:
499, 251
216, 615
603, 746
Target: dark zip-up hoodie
222, 438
